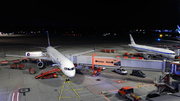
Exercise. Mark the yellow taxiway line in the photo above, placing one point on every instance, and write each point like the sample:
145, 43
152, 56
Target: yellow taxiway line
74, 89
68, 89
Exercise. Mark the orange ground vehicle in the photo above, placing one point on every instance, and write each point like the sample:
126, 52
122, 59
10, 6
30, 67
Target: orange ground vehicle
4, 62
103, 50
96, 71
21, 66
113, 51
128, 93
47, 73
31, 70
108, 50
13, 66
16, 62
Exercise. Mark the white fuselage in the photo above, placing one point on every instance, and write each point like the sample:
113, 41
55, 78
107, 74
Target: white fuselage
154, 50
66, 66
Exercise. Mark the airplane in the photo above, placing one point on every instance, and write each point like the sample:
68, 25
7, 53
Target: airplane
64, 63
178, 29
148, 51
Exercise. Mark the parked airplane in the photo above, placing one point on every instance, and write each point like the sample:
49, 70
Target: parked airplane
148, 51
178, 29
65, 64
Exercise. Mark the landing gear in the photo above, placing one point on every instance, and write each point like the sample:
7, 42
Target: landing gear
67, 79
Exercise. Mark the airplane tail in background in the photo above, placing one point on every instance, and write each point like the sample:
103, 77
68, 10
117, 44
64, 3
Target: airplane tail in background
131, 39
48, 38
178, 29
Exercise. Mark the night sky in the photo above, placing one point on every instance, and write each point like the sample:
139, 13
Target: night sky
128, 13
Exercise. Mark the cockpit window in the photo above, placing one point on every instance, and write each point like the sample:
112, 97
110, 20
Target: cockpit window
172, 53
65, 68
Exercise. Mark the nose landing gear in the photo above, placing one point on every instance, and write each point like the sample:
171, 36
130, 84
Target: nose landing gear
67, 79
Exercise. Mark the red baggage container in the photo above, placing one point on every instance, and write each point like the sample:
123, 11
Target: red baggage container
16, 61
21, 66
13, 66
107, 50
4, 62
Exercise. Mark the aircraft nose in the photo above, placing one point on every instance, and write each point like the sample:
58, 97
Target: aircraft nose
70, 73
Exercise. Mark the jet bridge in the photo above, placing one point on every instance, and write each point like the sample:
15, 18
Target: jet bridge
145, 64
112, 62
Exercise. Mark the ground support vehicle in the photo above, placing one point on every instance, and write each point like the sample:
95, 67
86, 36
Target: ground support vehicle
31, 70
47, 73
21, 66
16, 62
120, 70
4, 62
128, 93
13, 66
138, 73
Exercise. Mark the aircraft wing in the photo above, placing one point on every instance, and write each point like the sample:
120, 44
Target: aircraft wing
36, 57
82, 53
172, 41
149, 53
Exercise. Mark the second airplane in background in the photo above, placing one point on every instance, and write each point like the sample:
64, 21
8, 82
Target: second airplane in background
148, 51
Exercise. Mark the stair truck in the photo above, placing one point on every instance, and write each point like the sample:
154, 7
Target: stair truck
47, 73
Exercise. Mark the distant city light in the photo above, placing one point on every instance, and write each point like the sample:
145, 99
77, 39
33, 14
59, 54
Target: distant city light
160, 35
165, 30
159, 39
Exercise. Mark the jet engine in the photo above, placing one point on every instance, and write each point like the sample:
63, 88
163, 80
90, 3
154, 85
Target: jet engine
146, 56
40, 64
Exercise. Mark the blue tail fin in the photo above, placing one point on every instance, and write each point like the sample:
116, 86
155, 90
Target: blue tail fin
178, 29
131, 39
48, 38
